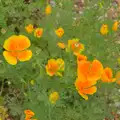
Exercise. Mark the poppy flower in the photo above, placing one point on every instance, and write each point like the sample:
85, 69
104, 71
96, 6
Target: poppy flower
38, 32
52, 67
107, 75
29, 28
48, 10
29, 114
117, 76
88, 74
61, 45
75, 46
54, 96
85, 88
115, 26
16, 49
90, 71
104, 29
55, 67
59, 32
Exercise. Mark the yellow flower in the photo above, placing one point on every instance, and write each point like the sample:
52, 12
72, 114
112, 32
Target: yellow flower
29, 28
48, 10
104, 29
61, 45
75, 46
59, 32
55, 67
38, 32
32, 82
54, 96
115, 26
16, 48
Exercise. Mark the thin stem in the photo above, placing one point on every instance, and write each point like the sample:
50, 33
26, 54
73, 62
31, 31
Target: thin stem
2, 86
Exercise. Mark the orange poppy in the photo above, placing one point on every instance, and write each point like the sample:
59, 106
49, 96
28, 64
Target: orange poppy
88, 71
88, 74
55, 67
85, 87
48, 10
29, 28
52, 67
59, 32
75, 46
38, 32
117, 76
29, 114
107, 75
115, 26
16, 49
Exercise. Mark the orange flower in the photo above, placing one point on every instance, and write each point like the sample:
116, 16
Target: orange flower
55, 67
107, 75
115, 26
29, 28
52, 67
86, 87
88, 71
16, 49
48, 10
61, 45
59, 32
104, 29
118, 77
75, 46
88, 74
38, 32
29, 114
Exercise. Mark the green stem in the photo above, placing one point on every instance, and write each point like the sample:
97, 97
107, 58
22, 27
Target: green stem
2, 86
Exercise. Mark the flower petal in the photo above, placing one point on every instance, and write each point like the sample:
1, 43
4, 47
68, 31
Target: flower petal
90, 90
24, 55
10, 58
16, 43
83, 95
83, 68
96, 70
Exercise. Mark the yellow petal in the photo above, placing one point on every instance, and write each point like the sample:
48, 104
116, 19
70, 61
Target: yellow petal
9, 58
83, 95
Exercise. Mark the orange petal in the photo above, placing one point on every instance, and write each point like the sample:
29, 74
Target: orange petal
10, 58
24, 55
16, 43
81, 57
84, 85
96, 70
107, 75
83, 95
90, 90
52, 67
83, 68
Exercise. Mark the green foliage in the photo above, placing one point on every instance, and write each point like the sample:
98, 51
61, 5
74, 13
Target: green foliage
16, 89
